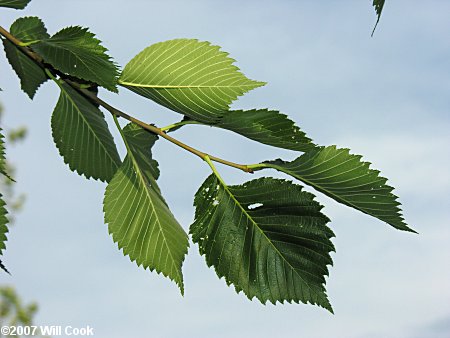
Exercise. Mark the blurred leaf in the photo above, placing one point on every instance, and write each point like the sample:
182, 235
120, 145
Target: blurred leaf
18, 134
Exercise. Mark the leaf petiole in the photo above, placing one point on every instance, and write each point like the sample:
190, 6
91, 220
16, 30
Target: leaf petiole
29, 43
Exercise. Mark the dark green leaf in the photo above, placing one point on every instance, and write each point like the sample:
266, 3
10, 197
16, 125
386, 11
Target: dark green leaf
3, 267
16, 4
267, 237
378, 4
3, 212
3, 224
3, 170
30, 74
82, 136
2, 153
345, 178
187, 76
268, 127
29, 29
138, 217
76, 52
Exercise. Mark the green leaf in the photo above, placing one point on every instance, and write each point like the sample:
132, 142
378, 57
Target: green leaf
82, 136
138, 218
76, 52
16, 4
190, 77
3, 170
378, 5
3, 212
30, 74
3, 267
268, 127
3, 224
2, 153
29, 29
267, 237
345, 178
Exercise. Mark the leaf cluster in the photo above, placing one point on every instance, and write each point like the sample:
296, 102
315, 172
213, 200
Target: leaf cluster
268, 237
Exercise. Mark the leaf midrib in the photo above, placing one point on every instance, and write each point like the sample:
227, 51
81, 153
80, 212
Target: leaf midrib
77, 57
131, 84
89, 125
323, 190
263, 234
146, 185
330, 193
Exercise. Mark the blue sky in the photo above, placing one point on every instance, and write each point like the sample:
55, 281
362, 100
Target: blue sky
385, 97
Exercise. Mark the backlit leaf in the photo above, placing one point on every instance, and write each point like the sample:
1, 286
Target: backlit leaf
188, 76
138, 217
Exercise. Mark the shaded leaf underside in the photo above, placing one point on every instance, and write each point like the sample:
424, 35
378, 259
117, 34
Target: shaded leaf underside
138, 218
82, 136
30, 74
266, 126
267, 237
29, 29
345, 178
16, 4
187, 76
75, 51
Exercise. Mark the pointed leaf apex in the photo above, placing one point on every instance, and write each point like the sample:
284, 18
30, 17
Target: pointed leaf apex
344, 177
188, 76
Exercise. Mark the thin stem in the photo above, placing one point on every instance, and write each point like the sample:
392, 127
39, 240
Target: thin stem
116, 122
178, 125
258, 166
114, 111
213, 168
52, 77
26, 44
19, 44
